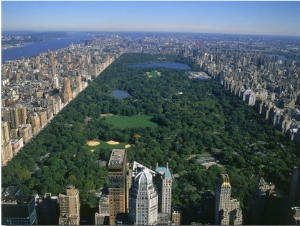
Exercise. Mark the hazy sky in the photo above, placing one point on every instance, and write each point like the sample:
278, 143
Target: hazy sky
279, 18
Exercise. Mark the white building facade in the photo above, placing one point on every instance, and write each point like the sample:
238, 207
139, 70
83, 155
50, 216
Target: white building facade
143, 200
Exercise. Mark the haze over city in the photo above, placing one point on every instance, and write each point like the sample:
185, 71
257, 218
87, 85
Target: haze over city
150, 113
269, 18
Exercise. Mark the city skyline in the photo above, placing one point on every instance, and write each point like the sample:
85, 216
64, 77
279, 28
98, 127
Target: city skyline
263, 18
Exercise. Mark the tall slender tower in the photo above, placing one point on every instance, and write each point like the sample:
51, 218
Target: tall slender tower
117, 184
165, 189
79, 83
69, 207
294, 197
15, 116
143, 200
6, 148
22, 114
67, 90
227, 210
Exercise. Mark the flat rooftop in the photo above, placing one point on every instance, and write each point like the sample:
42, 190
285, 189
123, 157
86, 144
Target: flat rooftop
17, 200
116, 157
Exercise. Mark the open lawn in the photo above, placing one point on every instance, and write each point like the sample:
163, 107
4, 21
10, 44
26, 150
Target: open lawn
136, 121
154, 74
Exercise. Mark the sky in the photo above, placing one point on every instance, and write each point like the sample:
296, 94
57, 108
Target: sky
234, 17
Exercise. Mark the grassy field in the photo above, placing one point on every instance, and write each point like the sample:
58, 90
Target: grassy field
153, 74
130, 122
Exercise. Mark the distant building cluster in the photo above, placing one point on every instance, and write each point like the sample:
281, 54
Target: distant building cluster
269, 84
35, 89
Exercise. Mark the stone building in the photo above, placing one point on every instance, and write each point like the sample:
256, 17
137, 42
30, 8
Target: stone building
227, 210
143, 200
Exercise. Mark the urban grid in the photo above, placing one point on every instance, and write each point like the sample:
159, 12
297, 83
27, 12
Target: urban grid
36, 89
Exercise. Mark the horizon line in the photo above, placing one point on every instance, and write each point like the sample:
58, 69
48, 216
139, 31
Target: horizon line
135, 31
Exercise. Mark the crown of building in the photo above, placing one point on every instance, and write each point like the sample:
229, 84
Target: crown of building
225, 179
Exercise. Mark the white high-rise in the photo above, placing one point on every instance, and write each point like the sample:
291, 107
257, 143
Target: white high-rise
143, 200
164, 189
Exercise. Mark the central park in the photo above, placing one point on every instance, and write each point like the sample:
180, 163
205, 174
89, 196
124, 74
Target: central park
168, 117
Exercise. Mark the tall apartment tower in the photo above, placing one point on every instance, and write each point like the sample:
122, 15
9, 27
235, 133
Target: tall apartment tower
22, 114
52, 63
17, 210
69, 207
6, 148
11, 115
259, 200
68, 95
143, 200
102, 217
117, 184
79, 83
227, 210
164, 189
47, 209
294, 197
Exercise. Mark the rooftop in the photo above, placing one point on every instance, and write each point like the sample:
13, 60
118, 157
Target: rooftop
12, 190
17, 200
164, 171
137, 167
117, 157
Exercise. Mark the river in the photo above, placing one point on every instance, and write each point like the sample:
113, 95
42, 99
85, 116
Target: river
34, 49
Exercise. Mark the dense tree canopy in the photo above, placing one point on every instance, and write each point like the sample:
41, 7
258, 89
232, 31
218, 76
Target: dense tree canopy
204, 119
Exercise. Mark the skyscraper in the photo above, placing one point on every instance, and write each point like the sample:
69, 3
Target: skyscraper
6, 148
102, 217
117, 184
69, 207
21, 114
67, 90
11, 115
19, 210
47, 209
259, 199
78, 83
294, 197
143, 200
164, 189
227, 210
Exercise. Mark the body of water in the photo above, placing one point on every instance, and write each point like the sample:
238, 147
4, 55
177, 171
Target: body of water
120, 94
280, 57
171, 65
36, 48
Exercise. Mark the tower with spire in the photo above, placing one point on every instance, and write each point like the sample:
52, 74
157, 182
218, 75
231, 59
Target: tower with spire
227, 210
